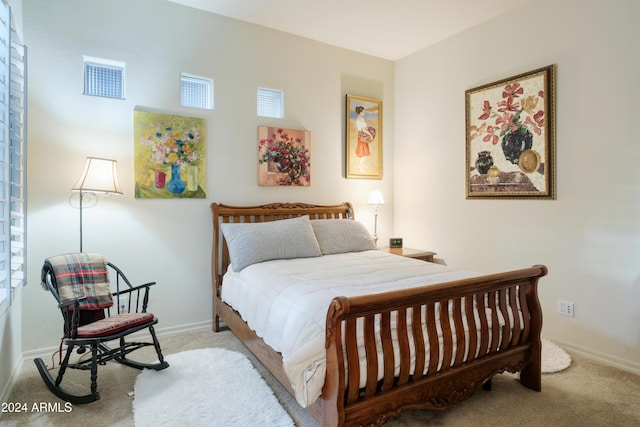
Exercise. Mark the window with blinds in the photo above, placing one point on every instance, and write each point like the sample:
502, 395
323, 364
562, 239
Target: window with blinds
12, 160
103, 77
196, 92
17, 184
270, 103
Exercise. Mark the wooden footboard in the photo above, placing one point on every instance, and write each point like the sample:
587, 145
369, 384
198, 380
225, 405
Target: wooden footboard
474, 329
487, 324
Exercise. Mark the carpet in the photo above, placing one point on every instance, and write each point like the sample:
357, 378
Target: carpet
554, 358
206, 387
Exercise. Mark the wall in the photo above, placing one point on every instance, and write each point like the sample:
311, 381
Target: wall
170, 240
590, 236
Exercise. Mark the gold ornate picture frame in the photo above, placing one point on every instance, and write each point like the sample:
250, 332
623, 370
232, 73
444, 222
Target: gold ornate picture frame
510, 137
363, 138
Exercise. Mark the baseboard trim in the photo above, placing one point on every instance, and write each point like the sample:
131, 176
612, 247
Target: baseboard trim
13, 379
160, 332
606, 359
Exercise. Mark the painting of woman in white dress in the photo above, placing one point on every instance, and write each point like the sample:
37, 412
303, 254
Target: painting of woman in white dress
364, 138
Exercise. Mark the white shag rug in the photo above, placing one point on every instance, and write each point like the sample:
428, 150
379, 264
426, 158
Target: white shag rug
206, 387
554, 358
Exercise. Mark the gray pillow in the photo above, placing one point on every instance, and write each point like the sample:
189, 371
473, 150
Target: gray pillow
336, 236
250, 243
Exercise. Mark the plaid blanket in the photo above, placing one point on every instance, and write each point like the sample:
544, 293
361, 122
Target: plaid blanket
80, 275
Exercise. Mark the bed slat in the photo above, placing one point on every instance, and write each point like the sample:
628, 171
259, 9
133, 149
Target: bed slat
432, 332
526, 313
495, 322
447, 335
403, 344
387, 349
505, 333
418, 339
353, 363
461, 338
371, 352
513, 305
469, 303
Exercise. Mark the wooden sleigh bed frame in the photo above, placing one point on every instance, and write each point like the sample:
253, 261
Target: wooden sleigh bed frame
514, 346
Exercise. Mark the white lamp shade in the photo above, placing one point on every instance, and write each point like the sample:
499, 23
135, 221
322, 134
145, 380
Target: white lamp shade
99, 176
375, 198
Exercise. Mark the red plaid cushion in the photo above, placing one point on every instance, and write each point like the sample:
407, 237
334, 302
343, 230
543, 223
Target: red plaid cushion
113, 325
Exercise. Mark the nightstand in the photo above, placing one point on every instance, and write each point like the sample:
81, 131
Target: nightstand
411, 253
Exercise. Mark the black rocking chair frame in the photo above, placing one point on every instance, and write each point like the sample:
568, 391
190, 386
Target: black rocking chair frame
101, 353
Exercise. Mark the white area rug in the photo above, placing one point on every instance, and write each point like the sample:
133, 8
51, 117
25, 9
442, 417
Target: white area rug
206, 387
554, 358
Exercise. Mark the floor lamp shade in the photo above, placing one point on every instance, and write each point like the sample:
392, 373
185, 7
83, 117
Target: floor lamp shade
99, 176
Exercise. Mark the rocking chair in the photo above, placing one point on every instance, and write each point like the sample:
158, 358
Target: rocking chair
80, 284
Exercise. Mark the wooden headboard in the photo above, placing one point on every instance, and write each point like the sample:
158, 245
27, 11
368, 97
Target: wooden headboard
271, 212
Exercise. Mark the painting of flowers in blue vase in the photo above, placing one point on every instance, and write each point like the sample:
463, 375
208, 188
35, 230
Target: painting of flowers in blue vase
169, 153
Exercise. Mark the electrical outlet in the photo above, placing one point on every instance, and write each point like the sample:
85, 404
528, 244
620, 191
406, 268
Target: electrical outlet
565, 308
123, 303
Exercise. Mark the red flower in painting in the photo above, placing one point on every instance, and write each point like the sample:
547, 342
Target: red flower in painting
505, 122
537, 122
520, 113
486, 111
508, 105
512, 91
491, 136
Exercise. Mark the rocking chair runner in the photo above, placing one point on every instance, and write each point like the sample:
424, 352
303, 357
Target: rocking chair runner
80, 283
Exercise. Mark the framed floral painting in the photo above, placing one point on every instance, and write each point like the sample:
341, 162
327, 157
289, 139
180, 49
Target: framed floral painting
364, 138
284, 157
510, 150
169, 156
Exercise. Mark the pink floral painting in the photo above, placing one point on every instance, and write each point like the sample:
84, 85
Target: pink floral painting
284, 157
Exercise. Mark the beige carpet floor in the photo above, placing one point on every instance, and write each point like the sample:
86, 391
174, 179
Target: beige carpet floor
586, 394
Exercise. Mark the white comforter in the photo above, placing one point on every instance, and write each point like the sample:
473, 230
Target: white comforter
286, 301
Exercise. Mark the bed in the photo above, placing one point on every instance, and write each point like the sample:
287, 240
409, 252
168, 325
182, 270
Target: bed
427, 338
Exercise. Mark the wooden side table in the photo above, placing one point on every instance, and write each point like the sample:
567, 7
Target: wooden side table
411, 253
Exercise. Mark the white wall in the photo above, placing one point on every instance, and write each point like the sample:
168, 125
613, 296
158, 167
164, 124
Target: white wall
590, 236
162, 239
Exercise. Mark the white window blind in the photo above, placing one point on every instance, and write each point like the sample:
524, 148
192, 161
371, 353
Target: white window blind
103, 78
270, 103
17, 150
196, 92
5, 15
12, 160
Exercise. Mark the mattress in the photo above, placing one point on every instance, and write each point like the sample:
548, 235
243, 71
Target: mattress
286, 301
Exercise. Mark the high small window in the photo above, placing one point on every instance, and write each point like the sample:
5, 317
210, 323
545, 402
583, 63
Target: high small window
270, 103
103, 77
196, 92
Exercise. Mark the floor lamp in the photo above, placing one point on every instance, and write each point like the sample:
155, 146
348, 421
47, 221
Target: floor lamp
376, 199
99, 176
